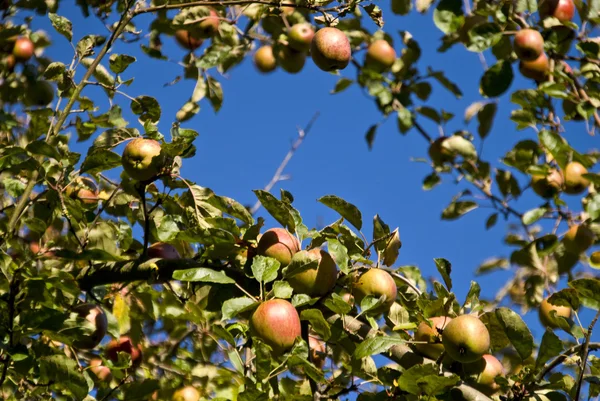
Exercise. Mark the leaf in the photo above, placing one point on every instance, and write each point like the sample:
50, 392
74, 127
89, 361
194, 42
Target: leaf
380, 230
554, 144
121, 313
392, 247
301, 261
147, 108
491, 221
492, 265
431, 181
531, 216
516, 331
265, 268
565, 297
457, 209
370, 135
118, 63
276, 208
446, 83
337, 304
54, 71
485, 117
375, 14
317, 322
232, 307
64, 373
44, 149
425, 380
100, 73
62, 25
405, 120
497, 79
347, 210
215, 93
423, 5
339, 253
588, 290
445, 268
550, 347
376, 345
341, 85
282, 289
204, 275
448, 16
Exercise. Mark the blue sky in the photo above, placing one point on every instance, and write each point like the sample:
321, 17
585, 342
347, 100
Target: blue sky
240, 147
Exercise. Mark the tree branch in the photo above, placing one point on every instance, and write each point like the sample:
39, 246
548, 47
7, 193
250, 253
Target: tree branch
562, 357
584, 355
224, 3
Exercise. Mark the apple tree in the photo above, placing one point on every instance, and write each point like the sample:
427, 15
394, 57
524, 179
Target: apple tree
154, 287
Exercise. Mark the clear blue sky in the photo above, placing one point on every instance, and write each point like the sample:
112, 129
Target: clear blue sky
240, 147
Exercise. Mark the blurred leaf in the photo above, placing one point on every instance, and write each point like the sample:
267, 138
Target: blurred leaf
588, 290
370, 136
375, 13
485, 116
457, 209
497, 79
121, 312
64, 373
342, 85
491, 265
391, 251
531, 216
448, 16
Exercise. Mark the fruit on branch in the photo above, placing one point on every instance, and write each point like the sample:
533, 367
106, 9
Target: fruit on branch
317, 281
528, 44
317, 352
457, 145
380, 55
85, 190
187, 40
300, 36
96, 316
330, 49
209, 26
264, 59
376, 283
595, 259
563, 10
163, 250
290, 60
142, 159
277, 324
432, 335
280, 244
466, 339
102, 372
550, 319
578, 239
485, 372
39, 93
537, 69
23, 49
187, 393
124, 344
547, 186
575, 183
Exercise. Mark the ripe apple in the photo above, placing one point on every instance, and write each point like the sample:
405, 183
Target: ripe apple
209, 26
277, 324
380, 55
84, 190
376, 282
537, 69
547, 186
300, 36
317, 352
162, 250
264, 59
142, 159
187, 393
23, 49
124, 344
39, 93
485, 372
278, 243
102, 372
290, 60
432, 335
318, 281
528, 44
186, 40
574, 182
96, 316
549, 319
563, 10
578, 239
330, 49
466, 339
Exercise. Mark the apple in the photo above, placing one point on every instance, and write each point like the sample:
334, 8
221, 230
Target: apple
102, 372
186, 40
432, 335
39, 93
537, 69
10, 62
318, 281
300, 36
163, 250
290, 60
485, 372
330, 49
187, 393
280, 244
264, 59
595, 259
579, 238
96, 316
563, 10
317, 352
84, 190
575, 183
380, 55
277, 324
142, 159
466, 339
376, 282
547, 186
23, 49
124, 344
209, 26
549, 319
528, 44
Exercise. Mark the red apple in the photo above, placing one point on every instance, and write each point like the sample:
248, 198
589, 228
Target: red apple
124, 344
318, 281
162, 250
277, 324
96, 316
280, 244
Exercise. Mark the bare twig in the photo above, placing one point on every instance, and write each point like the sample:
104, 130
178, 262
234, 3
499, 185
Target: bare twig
584, 355
562, 357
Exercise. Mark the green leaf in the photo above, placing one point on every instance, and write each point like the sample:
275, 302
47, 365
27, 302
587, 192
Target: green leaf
347, 210
593, 207
232, 307
265, 268
276, 208
431, 181
497, 79
493, 264
100, 73
44, 149
375, 14
282, 289
147, 108
425, 380
215, 93
317, 322
516, 331
301, 261
405, 120
392, 248
202, 274
337, 304
588, 290
119, 62
376, 345
64, 373
341, 85
380, 230
457, 209
446, 83
565, 297
370, 135
491, 221
550, 347
121, 313
445, 268
101, 160
448, 16
485, 117
54, 71
484, 35
554, 144
62, 25
533, 215
310, 370
339, 253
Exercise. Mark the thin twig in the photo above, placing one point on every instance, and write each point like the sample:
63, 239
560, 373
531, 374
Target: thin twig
584, 355
562, 357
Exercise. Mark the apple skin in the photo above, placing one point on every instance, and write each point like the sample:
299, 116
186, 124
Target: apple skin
579, 238
528, 44
95, 315
486, 370
537, 69
466, 339
317, 352
142, 159
546, 317
124, 344
162, 250
433, 335
547, 186
102, 372
85, 191
290, 60
277, 324
280, 244
376, 282
318, 281
186, 40
574, 182
330, 49
23, 49
563, 10
300, 36
209, 26
595, 258
380, 55
187, 393
264, 59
